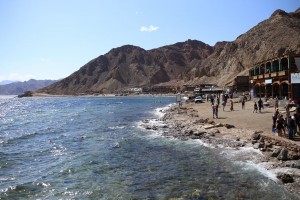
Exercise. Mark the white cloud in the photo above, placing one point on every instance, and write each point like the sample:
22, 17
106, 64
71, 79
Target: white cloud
17, 77
149, 28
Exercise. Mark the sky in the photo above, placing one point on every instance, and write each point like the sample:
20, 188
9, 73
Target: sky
51, 39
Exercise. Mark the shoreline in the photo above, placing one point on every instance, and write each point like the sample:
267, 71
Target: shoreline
277, 157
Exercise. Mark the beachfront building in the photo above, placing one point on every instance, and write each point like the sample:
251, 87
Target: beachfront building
239, 84
276, 77
204, 89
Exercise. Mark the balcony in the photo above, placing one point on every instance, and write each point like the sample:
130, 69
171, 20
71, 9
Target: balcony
260, 76
282, 73
266, 75
274, 74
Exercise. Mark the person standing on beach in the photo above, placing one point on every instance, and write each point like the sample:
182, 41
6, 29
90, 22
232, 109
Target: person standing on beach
243, 104
275, 116
213, 107
217, 110
276, 103
223, 104
280, 125
231, 105
291, 127
255, 107
260, 104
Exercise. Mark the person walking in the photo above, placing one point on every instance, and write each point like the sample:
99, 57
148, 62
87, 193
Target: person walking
276, 103
231, 105
243, 104
291, 127
260, 104
213, 107
280, 125
217, 110
255, 107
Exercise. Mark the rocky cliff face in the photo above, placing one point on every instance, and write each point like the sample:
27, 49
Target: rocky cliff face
131, 66
273, 37
193, 62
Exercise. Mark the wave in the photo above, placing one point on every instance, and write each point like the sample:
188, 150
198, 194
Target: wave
23, 189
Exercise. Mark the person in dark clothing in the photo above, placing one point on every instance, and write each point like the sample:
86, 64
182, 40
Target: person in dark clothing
297, 121
275, 116
260, 104
255, 107
291, 127
280, 126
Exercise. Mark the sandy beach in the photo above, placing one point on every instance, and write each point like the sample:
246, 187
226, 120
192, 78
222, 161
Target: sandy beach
237, 129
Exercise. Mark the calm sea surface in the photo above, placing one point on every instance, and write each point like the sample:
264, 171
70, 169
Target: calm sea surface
93, 148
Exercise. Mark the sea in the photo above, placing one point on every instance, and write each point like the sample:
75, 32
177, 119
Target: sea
95, 148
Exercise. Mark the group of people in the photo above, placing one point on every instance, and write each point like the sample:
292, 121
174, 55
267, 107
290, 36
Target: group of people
258, 106
215, 102
286, 126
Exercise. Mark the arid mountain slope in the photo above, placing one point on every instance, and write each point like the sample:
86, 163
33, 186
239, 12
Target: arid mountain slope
193, 62
131, 66
276, 36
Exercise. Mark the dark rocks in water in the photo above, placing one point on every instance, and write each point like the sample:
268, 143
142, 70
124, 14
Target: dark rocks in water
283, 155
26, 94
285, 178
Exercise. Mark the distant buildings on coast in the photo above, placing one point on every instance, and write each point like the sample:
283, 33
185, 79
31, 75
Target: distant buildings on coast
276, 77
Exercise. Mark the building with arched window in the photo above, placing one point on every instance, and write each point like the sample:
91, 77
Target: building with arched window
277, 77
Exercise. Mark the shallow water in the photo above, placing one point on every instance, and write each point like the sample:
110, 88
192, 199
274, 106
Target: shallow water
92, 148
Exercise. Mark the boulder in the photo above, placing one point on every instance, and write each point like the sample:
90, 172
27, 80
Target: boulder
255, 136
229, 126
285, 178
275, 152
283, 155
296, 164
293, 156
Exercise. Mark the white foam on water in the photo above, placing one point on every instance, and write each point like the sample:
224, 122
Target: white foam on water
250, 159
261, 169
160, 112
202, 143
116, 127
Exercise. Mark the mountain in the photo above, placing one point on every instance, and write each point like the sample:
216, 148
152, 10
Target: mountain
5, 82
132, 66
16, 88
276, 36
192, 61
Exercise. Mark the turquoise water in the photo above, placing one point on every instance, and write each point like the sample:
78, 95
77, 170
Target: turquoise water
93, 148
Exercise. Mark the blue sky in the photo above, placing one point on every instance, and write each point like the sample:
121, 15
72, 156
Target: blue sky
51, 39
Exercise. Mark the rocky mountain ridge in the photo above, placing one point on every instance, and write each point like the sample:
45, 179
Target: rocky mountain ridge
16, 88
192, 62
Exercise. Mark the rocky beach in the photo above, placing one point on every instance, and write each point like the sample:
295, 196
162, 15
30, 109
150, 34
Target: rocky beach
239, 132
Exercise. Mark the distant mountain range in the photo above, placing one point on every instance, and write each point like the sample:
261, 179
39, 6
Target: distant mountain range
191, 62
16, 88
5, 82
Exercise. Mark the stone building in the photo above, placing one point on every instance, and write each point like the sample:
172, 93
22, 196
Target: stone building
276, 77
